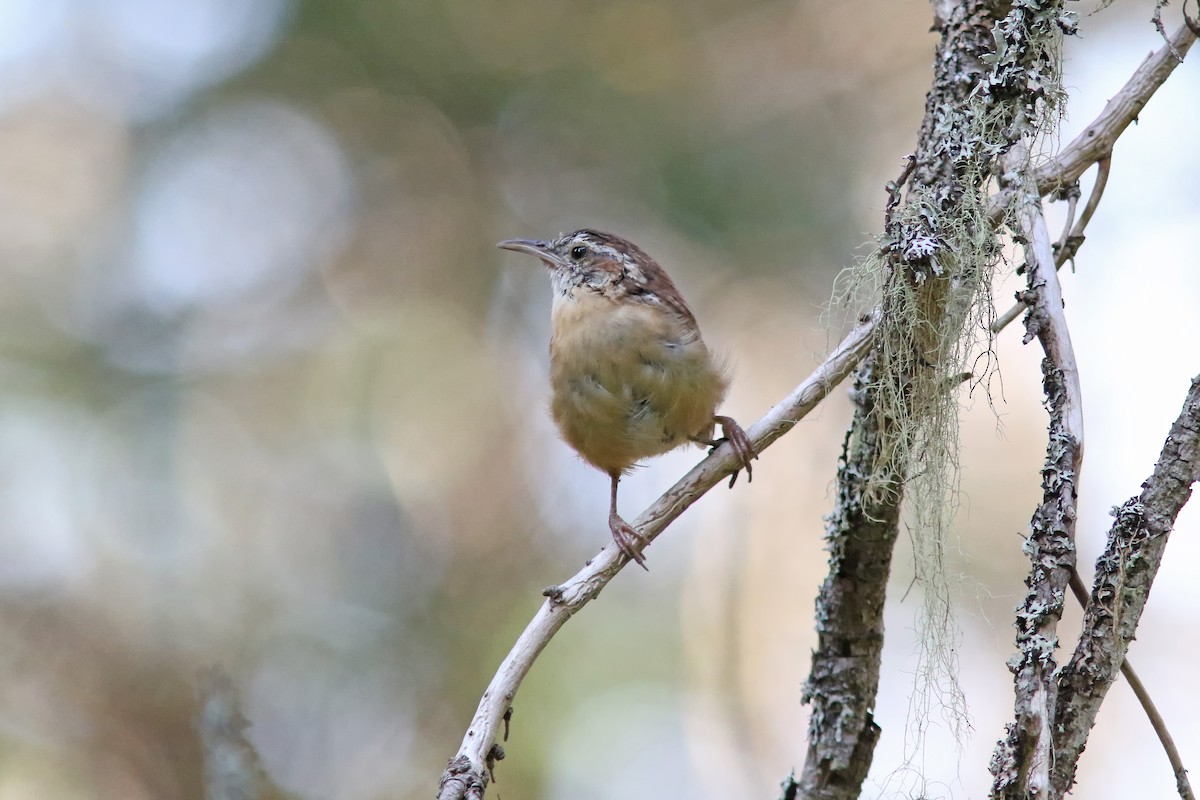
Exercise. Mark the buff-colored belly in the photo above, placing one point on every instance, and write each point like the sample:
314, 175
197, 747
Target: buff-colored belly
628, 382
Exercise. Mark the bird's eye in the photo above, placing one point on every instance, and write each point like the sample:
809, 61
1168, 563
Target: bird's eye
578, 252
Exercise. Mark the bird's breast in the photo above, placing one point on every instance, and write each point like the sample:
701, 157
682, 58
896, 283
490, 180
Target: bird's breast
629, 380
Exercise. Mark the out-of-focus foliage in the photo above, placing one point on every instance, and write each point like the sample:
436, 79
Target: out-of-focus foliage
272, 400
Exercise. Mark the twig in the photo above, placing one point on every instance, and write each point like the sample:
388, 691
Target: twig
1072, 196
1182, 785
1124, 574
1139, 690
1191, 22
1104, 167
1097, 140
1156, 18
469, 771
1070, 243
1024, 758
894, 190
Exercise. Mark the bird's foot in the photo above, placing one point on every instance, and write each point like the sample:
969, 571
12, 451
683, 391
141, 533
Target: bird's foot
742, 446
628, 540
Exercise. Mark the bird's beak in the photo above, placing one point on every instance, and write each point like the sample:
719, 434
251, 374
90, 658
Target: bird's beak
531, 247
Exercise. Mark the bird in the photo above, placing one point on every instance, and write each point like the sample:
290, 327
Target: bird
630, 375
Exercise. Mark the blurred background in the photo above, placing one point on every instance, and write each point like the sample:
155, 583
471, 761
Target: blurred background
273, 401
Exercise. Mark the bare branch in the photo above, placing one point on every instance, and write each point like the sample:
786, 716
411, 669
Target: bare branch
1124, 574
1105, 166
1182, 785
1192, 23
1097, 139
1156, 18
470, 770
894, 190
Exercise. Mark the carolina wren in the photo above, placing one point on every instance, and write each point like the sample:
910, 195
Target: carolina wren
629, 374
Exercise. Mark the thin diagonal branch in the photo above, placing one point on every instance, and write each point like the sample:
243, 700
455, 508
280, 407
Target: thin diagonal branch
1182, 785
1097, 140
1124, 574
1068, 251
1156, 18
1072, 197
470, 770
1023, 759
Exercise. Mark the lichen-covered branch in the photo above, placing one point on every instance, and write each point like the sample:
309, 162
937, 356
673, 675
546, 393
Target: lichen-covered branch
844, 678
996, 63
1182, 784
469, 771
232, 767
1124, 574
1029, 761
1023, 759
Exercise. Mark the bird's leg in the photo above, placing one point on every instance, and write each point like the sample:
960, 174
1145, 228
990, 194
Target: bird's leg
626, 537
738, 440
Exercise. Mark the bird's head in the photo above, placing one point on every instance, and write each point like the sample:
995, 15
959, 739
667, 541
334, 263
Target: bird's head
587, 258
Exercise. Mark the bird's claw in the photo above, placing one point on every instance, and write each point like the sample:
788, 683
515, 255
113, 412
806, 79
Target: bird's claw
628, 540
742, 446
